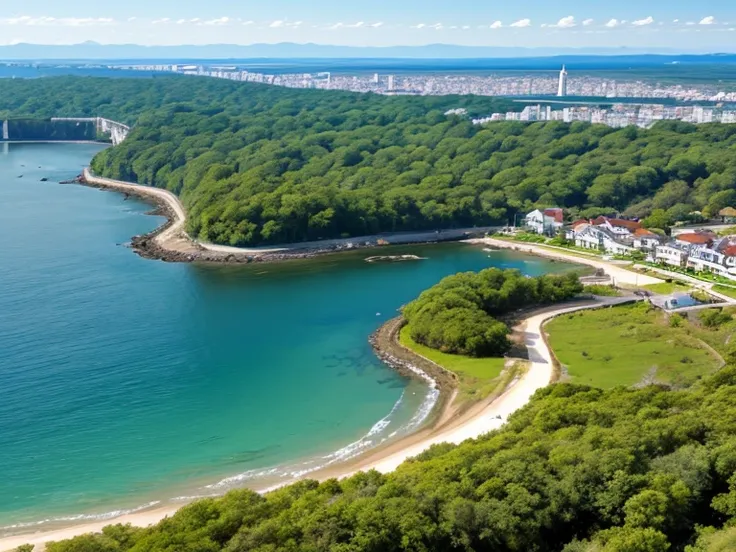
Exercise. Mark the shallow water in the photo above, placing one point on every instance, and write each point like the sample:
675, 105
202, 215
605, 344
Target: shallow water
125, 381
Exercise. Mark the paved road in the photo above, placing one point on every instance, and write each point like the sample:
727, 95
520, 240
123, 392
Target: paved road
171, 236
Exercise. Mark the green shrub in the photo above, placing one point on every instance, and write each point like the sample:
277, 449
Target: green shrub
456, 315
713, 318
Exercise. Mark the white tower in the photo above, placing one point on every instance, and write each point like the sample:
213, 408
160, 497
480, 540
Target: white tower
390, 82
562, 86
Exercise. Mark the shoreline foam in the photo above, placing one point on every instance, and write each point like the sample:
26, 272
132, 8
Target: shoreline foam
476, 421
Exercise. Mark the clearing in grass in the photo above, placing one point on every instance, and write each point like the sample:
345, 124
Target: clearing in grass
668, 288
626, 345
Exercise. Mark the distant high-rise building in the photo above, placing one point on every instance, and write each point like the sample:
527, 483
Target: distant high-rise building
375, 78
390, 82
562, 85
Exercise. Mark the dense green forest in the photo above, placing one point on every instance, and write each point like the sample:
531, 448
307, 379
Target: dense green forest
457, 314
257, 164
576, 470
44, 129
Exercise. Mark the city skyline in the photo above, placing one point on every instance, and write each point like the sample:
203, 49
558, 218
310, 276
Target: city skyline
530, 23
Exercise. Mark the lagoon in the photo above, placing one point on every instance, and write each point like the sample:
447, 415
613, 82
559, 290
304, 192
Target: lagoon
126, 382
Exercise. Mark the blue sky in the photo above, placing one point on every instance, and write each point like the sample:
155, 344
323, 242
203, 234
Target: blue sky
704, 25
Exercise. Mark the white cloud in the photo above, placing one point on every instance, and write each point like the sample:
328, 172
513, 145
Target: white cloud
466, 27
436, 26
218, 21
643, 22
336, 26
565, 22
587, 22
522, 23
181, 21
613, 23
162, 21
357, 25
675, 20
131, 19
195, 20
496, 25
45, 21
710, 20
249, 22
376, 25
418, 26
277, 24
690, 23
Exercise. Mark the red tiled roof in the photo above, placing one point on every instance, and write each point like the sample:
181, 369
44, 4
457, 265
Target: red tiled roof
730, 251
629, 224
555, 213
579, 222
644, 232
696, 239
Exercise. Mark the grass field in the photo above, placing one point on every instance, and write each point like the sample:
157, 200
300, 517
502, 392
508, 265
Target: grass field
730, 292
478, 377
626, 345
667, 288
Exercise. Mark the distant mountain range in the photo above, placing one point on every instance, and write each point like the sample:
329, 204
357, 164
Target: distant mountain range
287, 50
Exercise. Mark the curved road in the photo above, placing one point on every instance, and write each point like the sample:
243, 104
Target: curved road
491, 417
174, 238
494, 415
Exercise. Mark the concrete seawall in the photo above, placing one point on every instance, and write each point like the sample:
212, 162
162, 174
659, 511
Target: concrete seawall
170, 242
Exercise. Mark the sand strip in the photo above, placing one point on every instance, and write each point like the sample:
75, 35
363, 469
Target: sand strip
615, 269
473, 423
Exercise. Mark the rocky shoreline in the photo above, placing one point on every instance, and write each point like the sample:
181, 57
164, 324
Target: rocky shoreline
169, 242
386, 345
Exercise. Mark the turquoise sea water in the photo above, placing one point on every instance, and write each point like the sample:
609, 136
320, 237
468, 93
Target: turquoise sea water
125, 381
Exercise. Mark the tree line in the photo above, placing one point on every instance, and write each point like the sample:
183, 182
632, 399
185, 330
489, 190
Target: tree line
577, 470
46, 130
457, 314
255, 164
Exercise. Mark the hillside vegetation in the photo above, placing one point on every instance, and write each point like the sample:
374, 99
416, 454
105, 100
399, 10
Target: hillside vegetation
256, 164
457, 314
577, 470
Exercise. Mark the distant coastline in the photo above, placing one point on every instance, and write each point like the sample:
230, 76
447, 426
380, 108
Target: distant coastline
171, 243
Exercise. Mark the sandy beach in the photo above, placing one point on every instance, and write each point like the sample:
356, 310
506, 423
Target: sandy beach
478, 420
170, 242
615, 269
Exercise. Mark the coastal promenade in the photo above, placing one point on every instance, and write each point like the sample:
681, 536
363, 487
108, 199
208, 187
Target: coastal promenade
170, 242
616, 271
475, 422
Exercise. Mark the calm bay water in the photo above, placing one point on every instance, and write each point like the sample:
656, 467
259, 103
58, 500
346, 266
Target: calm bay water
124, 380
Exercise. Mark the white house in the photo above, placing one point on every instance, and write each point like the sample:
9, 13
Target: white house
593, 237
671, 255
646, 241
546, 222
620, 228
